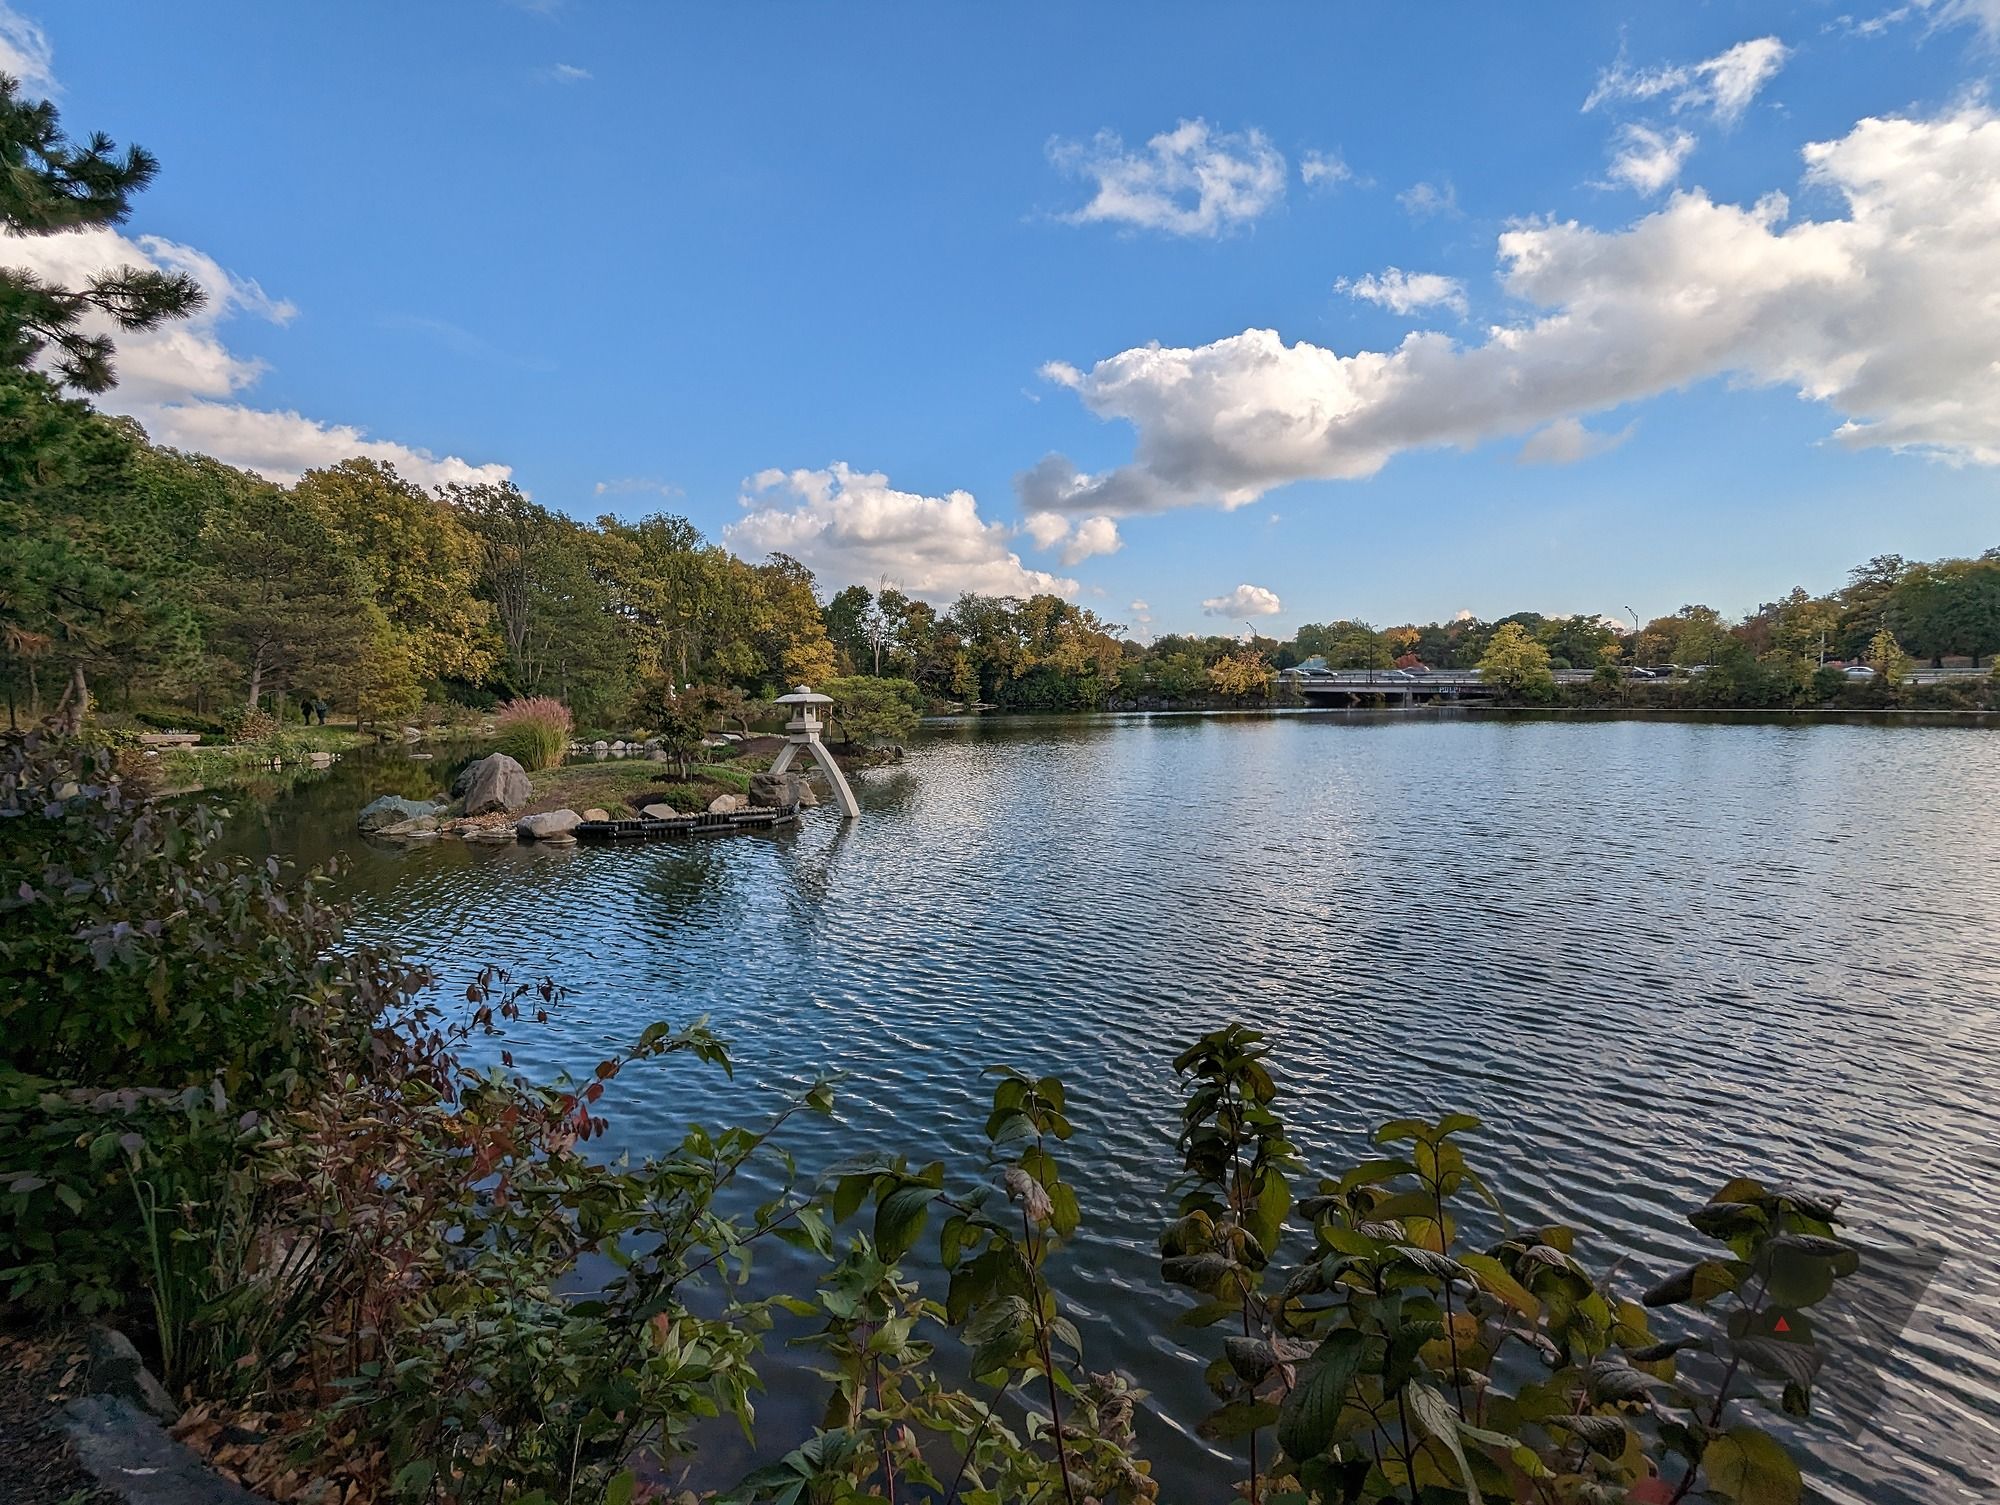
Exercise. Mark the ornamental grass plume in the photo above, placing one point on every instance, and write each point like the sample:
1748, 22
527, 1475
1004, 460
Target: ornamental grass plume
534, 731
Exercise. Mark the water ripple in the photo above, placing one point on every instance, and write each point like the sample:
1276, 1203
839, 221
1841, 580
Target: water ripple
1650, 955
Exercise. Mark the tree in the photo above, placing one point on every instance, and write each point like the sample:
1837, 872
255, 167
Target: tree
1886, 658
280, 591
1239, 674
790, 633
866, 709
678, 717
855, 629
416, 559
1517, 665
51, 185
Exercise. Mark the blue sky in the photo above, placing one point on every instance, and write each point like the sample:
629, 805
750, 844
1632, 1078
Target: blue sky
642, 255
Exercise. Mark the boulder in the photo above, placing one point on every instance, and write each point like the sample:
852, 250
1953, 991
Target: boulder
412, 734
775, 791
725, 804
600, 745
491, 834
495, 783
807, 799
660, 812
390, 810
422, 827
593, 813
548, 825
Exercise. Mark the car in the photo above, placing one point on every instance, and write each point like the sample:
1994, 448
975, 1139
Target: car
1858, 671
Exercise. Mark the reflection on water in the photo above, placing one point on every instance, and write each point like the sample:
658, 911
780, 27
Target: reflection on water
1649, 954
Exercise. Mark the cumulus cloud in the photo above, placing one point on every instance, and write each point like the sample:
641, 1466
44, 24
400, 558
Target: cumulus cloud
1425, 200
1724, 85
852, 527
1566, 441
1886, 314
1404, 292
25, 52
1191, 180
180, 380
1319, 169
1090, 536
1142, 614
1648, 160
1244, 601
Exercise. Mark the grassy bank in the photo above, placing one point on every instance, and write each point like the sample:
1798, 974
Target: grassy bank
624, 786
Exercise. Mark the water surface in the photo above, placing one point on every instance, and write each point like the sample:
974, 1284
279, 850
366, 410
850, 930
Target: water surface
1651, 955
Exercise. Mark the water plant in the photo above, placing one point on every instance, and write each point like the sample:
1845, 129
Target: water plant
533, 731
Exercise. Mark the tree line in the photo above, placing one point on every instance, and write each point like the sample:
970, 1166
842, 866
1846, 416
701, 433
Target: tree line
173, 582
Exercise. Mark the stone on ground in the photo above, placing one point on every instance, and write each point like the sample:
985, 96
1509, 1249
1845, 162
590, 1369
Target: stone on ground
494, 783
775, 791
548, 825
725, 804
593, 813
660, 812
391, 810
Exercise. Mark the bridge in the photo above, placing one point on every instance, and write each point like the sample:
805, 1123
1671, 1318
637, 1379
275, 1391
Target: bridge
1406, 687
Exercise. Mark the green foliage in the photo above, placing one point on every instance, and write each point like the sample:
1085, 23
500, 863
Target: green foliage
1395, 1362
53, 185
151, 990
533, 731
1517, 665
872, 710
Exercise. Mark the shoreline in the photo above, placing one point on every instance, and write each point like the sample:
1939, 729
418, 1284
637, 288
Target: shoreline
1858, 715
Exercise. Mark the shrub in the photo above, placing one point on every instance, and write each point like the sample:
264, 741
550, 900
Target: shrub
143, 974
249, 724
534, 732
866, 709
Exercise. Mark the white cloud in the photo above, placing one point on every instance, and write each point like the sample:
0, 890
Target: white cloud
1423, 200
282, 446
1047, 529
178, 380
1405, 292
26, 54
636, 486
1985, 14
1648, 160
569, 73
1092, 535
1566, 441
1244, 601
1187, 181
1319, 169
1887, 315
1724, 85
1464, 614
1142, 614
852, 527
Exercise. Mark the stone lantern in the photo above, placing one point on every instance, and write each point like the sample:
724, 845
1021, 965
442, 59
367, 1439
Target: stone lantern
802, 735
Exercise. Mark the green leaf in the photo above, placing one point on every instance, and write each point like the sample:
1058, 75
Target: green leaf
1698, 1283
1750, 1467
1435, 1415
1309, 1419
899, 1218
619, 1490
1494, 1278
1237, 1419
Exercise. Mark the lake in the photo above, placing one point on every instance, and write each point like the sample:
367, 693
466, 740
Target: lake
1649, 954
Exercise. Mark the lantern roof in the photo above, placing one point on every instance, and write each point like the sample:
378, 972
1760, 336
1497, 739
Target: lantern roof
804, 695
